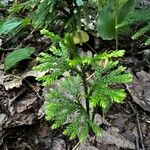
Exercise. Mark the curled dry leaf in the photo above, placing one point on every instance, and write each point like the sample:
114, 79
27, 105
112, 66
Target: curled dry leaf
17, 80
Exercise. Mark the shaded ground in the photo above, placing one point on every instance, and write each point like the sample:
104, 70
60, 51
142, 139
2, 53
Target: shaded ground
126, 126
22, 123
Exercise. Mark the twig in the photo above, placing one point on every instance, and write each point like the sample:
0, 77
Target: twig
134, 112
17, 96
7, 50
140, 135
76, 146
31, 86
88, 78
137, 143
140, 131
92, 48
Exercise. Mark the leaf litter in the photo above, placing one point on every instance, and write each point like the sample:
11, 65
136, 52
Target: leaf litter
26, 109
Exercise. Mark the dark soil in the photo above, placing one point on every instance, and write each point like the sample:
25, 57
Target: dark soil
24, 128
22, 123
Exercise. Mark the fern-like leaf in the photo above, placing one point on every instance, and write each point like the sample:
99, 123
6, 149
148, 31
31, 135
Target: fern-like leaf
63, 105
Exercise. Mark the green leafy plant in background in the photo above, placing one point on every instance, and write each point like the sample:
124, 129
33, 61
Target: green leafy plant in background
63, 15
73, 99
50, 13
138, 17
18, 55
66, 16
112, 13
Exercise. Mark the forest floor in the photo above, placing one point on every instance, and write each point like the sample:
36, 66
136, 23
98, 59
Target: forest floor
22, 124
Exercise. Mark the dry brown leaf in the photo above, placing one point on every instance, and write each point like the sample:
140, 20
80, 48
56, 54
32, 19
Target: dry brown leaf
139, 89
25, 105
17, 80
113, 137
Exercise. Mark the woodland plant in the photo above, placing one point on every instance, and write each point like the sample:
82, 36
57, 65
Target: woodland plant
80, 83
65, 16
73, 99
140, 18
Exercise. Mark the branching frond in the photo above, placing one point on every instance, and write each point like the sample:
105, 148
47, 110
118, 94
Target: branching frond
107, 74
63, 106
70, 101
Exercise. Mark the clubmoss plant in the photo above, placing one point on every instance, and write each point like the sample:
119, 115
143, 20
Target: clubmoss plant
73, 99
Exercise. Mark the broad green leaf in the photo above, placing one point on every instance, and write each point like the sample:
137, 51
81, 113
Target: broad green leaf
8, 25
17, 55
106, 20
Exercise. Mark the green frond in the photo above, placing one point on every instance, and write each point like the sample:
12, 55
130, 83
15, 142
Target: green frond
98, 99
135, 17
68, 99
103, 96
96, 129
49, 78
51, 35
141, 32
57, 63
63, 105
108, 55
138, 17
43, 12
79, 61
52, 65
78, 128
101, 69
117, 95
74, 87
117, 76
108, 73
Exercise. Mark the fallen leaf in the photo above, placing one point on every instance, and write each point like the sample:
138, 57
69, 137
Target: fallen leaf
139, 89
25, 105
17, 80
112, 136
1, 74
58, 144
85, 147
3, 118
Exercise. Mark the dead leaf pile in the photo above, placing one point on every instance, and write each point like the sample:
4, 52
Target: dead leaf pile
139, 89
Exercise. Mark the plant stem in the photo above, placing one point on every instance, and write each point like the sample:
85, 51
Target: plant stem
93, 115
83, 76
116, 22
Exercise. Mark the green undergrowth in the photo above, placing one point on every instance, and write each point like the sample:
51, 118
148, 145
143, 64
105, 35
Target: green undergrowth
73, 99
